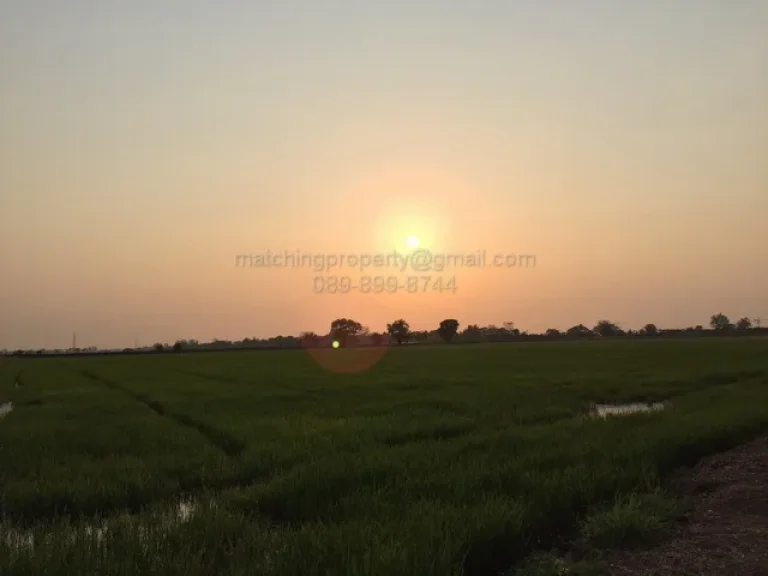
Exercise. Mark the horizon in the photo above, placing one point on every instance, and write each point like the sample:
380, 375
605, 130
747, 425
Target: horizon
145, 149
755, 324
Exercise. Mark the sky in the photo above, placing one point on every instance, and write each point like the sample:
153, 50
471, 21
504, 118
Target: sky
145, 144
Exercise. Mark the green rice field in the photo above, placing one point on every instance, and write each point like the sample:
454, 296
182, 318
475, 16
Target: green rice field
436, 461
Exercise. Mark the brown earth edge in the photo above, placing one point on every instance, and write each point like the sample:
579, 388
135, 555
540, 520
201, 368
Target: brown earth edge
725, 530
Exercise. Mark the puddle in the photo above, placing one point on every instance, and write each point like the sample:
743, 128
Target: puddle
604, 410
5, 409
182, 512
185, 510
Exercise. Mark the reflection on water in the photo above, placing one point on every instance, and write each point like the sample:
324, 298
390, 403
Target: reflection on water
624, 409
5, 408
186, 508
24, 539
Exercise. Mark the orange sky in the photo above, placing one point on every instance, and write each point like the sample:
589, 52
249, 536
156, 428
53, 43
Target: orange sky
624, 148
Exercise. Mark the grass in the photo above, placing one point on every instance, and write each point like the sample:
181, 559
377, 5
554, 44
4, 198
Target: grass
442, 461
633, 520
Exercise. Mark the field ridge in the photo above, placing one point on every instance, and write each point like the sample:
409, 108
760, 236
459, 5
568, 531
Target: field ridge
229, 445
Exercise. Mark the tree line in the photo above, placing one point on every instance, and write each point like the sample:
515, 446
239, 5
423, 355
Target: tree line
348, 332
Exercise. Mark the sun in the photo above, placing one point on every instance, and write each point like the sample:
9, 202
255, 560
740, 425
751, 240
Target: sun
412, 242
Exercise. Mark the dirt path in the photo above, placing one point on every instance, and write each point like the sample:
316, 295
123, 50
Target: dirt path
725, 532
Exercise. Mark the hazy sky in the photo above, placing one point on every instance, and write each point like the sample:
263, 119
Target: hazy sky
144, 144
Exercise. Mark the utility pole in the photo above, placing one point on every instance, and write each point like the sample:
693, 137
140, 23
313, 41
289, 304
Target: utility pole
74, 340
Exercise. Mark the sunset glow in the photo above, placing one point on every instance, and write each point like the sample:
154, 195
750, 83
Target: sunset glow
412, 242
125, 196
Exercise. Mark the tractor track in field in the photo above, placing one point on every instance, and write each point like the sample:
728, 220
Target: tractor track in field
230, 446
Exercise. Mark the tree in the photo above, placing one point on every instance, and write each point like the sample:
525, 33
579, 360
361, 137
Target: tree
719, 321
419, 335
178, 346
508, 329
650, 330
606, 328
744, 324
377, 339
579, 331
344, 330
158, 347
448, 329
399, 330
552, 332
309, 339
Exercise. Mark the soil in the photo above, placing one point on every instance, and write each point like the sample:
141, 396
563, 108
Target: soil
725, 531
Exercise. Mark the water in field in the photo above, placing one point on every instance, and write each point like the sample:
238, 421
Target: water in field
604, 410
186, 509
5, 409
182, 512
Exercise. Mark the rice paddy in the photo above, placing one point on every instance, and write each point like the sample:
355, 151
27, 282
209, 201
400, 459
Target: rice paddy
445, 460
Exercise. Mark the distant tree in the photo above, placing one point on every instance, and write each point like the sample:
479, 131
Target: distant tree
377, 339
606, 328
699, 328
744, 324
178, 346
345, 330
158, 347
650, 330
471, 329
552, 333
448, 329
399, 330
720, 322
419, 335
507, 329
579, 331
309, 339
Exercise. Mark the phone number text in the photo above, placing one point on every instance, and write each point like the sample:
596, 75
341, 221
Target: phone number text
383, 284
